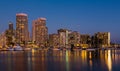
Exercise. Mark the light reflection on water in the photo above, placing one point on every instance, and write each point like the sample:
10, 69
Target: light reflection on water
108, 60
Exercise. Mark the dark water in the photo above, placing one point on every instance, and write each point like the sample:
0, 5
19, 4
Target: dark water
108, 60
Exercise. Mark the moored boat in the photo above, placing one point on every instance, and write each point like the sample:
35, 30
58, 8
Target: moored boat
18, 48
10, 49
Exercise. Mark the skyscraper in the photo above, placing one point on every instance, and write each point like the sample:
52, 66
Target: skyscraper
11, 26
74, 38
63, 37
40, 32
22, 34
2, 40
10, 34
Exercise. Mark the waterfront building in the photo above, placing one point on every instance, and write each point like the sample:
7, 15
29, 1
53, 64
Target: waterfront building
63, 37
2, 40
22, 34
103, 39
40, 32
74, 38
10, 34
85, 40
54, 40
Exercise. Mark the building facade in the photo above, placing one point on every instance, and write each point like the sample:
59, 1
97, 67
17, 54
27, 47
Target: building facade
103, 39
85, 40
54, 40
10, 34
74, 38
63, 37
2, 40
22, 33
40, 32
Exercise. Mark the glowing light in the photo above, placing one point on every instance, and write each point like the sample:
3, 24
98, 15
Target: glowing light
90, 55
90, 63
67, 61
109, 61
84, 56
33, 52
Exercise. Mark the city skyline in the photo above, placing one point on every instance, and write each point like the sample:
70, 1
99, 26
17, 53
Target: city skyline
82, 16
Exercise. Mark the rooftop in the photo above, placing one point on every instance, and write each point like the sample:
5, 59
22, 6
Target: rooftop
21, 14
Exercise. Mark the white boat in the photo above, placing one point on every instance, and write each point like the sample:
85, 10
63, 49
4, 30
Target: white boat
10, 49
18, 48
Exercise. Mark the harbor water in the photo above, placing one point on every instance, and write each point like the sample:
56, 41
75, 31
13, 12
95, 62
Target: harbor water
59, 60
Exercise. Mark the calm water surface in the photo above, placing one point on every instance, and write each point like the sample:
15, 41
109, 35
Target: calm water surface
108, 60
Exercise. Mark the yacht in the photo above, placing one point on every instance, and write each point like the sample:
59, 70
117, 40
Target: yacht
18, 48
10, 49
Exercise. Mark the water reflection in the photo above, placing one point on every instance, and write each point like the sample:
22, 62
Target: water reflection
67, 61
90, 61
108, 60
84, 57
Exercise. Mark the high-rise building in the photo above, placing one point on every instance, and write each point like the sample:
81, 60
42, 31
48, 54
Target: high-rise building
103, 39
40, 32
85, 40
10, 34
63, 37
22, 34
54, 40
11, 26
74, 38
2, 40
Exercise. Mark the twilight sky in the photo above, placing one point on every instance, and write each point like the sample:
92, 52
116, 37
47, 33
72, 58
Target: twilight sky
85, 16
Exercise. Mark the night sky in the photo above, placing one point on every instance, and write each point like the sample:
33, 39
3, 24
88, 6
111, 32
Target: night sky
85, 16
